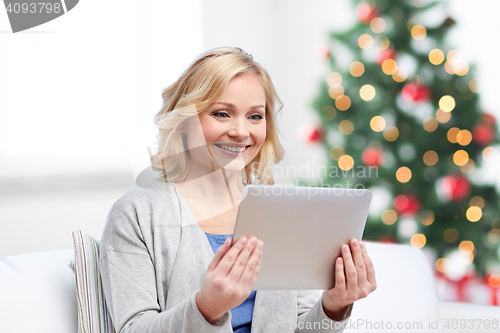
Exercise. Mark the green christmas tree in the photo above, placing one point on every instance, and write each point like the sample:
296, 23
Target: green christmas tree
400, 115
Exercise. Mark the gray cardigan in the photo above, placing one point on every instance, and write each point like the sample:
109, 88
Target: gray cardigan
153, 259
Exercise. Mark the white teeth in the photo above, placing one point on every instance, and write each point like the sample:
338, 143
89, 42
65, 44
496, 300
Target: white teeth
232, 149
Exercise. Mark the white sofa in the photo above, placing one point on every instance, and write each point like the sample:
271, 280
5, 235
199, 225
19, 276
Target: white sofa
37, 294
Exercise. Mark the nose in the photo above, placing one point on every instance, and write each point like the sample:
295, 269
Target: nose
238, 128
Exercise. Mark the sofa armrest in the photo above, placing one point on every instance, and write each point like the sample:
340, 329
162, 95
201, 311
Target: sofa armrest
466, 317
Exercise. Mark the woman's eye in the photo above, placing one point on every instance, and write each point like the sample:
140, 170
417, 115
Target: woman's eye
256, 117
220, 114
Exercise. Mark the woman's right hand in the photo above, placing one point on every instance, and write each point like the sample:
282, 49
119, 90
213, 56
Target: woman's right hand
230, 277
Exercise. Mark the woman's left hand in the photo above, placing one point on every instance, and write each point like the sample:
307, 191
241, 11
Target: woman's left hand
354, 279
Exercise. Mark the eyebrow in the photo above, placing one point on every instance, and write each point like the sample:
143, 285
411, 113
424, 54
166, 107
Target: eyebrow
232, 105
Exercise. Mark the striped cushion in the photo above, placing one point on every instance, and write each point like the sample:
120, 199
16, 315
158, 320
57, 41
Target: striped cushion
93, 315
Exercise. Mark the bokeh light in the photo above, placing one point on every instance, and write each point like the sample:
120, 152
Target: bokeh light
474, 85
389, 216
356, 69
328, 112
443, 117
430, 158
389, 66
469, 166
418, 240
336, 152
466, 247
343, 103
400, 75
418, 32
436, 57
442, 264
427, 217
461, 157
377, 25
430, 124
464, 137
367, 92
334, 79
391, 133
365, 41
474, 214
377, 123
493, 236
336, 92
447, 103
346, 162
450, 235
452, 134
403, 174
477, 201
489, 154
346, 127
383, 42
494, 280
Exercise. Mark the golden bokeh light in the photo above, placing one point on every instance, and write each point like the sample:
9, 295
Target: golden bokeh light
442, 264
443, 117
447, 103
346, 162
389, 66
474, 85
453, 56
468, 167
448, 67
343, 103
461, 68
377, 25
334, 79
430, 124
452, 134
328, 112
461, 157
418, 32
367, 92
464, 137
377, 123
346, 127
494, 280
477, 201
489, 154
466, 247
383, 42
403, 175
336, 152
336, 92
427, 217
356, 69
400, 75
365, 41
430, 158
436, 57
450, 235
474, 214
389, 216
391, 133
418, 240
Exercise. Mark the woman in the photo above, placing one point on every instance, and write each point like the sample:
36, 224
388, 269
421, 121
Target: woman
167, 263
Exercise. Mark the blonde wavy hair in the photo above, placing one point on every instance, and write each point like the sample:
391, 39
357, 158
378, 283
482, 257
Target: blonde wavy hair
201, 84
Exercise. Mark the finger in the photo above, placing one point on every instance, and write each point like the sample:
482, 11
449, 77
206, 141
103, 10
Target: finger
230, 256
339, 274
370, 269
359, 262
256, 271
242, 260
219, 254
252, 265
350, 270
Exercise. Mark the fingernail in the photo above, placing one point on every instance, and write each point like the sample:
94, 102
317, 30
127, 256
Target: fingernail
253, 241
355, 243
260, 245
339, 261
243, 241
361, 244
345, 249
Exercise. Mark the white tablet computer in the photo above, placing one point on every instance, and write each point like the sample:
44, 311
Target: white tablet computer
302, 229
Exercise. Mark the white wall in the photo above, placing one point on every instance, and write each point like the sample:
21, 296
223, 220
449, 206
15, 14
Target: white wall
76, 94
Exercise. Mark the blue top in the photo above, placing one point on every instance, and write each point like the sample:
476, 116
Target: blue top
241, 316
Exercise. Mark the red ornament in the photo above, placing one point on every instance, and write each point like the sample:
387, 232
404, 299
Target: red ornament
366, 12
406, 204
455, 187
416, 93
388, 53
311, 134
372, 156
483, 134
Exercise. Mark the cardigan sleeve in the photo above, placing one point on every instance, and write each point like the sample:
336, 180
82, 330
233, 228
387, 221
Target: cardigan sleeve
129, 282
312, 318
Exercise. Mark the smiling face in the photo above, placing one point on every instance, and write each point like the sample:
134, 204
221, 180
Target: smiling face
234, 126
